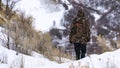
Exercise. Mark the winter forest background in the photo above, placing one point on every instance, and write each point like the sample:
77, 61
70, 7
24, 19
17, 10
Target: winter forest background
104, 20
22, 27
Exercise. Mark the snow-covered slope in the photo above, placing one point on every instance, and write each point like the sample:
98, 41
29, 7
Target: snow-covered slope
43, 20
9, 59
105, 60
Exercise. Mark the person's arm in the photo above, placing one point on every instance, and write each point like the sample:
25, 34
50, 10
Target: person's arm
70, 33
87, 30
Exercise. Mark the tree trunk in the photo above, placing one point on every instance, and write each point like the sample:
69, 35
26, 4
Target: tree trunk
8, 42
7, 8
8, 36
17, 48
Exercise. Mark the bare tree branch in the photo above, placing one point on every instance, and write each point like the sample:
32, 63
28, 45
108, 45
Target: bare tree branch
75, 4
10, 4
106, 13
63, 4
113, 29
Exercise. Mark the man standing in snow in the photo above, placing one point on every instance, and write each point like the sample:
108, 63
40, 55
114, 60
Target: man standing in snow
79, 34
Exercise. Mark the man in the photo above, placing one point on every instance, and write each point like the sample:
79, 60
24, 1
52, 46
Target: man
79, 34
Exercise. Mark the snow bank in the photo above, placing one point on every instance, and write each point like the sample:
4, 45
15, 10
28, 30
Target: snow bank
10, 59
105, 60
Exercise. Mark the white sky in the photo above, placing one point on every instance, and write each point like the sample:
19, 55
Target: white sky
42, 19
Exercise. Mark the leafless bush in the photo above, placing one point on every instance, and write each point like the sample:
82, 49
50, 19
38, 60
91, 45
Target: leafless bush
22, 33
104, 43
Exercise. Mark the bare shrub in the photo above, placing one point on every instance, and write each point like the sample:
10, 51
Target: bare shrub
22, 33
46, 48
104, 43
26, 39
118, 43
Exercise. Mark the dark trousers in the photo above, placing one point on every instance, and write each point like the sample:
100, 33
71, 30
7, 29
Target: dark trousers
80, 50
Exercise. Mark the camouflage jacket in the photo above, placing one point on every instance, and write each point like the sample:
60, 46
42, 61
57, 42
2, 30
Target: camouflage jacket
79, 31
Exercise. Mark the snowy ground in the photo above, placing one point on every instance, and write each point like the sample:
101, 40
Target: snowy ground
9, 59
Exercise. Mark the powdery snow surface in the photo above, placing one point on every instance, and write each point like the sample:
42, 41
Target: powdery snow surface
9, 59
105, 60
43, 20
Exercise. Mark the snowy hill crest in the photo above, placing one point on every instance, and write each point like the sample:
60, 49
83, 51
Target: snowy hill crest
106, 60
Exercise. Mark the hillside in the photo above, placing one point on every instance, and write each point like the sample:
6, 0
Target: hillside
31, 35
43, 19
